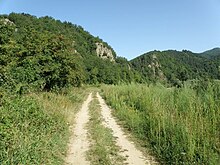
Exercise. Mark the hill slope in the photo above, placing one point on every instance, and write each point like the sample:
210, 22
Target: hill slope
213, 53
174, 66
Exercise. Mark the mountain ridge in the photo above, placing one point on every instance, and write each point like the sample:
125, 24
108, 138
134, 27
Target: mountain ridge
176, 66
212, 53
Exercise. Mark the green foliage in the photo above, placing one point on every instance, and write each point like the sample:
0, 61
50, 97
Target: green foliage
28, 134
181, 125
104, 71
33, 60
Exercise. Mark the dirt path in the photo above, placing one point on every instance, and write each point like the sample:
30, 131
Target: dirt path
134, 156
79, 143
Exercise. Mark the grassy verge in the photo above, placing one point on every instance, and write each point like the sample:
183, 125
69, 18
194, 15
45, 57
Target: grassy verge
103, 149
180, 125
34, 128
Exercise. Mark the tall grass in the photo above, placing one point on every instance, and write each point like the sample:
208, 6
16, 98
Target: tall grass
182, 126
34, 128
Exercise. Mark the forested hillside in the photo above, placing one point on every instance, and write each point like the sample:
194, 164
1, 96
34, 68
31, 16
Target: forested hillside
44, 53
213, 53
175, 66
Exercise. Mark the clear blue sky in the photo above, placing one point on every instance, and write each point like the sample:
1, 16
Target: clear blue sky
133, 27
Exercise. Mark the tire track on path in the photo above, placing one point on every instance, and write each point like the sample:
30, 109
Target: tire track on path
79, 142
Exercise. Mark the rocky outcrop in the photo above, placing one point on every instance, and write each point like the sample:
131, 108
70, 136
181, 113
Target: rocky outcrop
156, 68
104, 52
7, 22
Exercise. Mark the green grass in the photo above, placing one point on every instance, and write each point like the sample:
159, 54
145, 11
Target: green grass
180, 125
34, 128
103, 149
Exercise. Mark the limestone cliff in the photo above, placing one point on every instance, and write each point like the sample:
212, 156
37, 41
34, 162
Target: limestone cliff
104, 52
7, 21
156, 68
